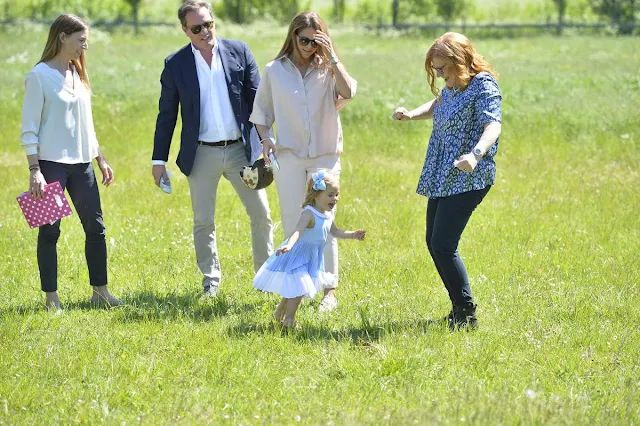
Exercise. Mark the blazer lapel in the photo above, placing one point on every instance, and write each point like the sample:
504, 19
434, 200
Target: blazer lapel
191, 76
227, 59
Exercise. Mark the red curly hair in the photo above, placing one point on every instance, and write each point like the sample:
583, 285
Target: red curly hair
457, 50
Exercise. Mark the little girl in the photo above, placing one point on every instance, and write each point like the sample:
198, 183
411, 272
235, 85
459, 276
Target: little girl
296, 269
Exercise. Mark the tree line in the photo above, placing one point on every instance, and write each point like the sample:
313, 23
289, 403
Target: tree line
621, 14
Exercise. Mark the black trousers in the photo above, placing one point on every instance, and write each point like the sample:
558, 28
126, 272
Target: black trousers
446, 219
80, 183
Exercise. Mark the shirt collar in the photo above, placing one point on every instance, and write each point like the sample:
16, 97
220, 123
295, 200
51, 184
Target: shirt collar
316, 63
214, 49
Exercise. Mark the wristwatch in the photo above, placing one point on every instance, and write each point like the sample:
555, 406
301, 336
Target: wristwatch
334, 60
477, 152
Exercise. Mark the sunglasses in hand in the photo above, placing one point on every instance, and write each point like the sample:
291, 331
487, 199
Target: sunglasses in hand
305, 41
197, 28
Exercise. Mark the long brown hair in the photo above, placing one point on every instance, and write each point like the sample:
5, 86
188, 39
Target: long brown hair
301, 21
67, 24
458, 51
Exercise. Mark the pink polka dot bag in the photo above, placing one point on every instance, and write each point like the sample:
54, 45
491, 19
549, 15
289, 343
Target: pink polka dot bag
51, 207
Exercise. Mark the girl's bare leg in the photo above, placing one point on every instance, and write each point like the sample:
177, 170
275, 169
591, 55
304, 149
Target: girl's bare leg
289, 319
278, 315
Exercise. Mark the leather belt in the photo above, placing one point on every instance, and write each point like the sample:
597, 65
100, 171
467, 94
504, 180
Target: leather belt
221, 143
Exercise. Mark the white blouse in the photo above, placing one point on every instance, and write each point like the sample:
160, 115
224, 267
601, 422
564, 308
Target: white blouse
57, 123
305, 109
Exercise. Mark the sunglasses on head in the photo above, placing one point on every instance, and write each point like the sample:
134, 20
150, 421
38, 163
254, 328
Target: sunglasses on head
305, 41
197, 28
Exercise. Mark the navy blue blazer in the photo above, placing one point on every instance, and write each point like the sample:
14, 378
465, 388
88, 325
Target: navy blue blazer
180, 86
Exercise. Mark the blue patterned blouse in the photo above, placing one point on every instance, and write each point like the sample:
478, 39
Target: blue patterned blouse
458, 123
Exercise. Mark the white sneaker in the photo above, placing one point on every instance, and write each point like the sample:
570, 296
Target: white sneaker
328, 303
211, 291
211, 287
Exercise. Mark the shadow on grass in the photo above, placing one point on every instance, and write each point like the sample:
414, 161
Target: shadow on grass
190, 306
147, 306
367, 334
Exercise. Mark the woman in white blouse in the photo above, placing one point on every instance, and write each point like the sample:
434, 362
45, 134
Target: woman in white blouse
60, 141
301, 90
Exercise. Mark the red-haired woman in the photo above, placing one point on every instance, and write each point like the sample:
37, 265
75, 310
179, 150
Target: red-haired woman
459, 168
60, 142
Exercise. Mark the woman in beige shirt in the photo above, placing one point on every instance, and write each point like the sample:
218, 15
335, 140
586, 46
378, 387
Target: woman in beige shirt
302, 90
59, 140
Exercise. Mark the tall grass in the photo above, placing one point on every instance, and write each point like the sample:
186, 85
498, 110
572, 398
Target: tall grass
552, 256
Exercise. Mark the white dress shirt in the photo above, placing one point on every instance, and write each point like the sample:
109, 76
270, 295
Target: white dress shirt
57, 123
217, 121
305, 109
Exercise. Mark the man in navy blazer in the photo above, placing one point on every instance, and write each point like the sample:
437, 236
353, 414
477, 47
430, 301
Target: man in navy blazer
213, 81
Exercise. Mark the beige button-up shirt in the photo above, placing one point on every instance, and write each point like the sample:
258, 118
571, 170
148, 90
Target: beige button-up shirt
305, 109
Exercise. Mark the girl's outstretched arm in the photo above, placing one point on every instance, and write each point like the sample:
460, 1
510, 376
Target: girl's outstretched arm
305, 221
341, 233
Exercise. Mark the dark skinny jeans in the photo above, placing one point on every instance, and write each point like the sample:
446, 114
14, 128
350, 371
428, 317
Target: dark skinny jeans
446, 219
80, 182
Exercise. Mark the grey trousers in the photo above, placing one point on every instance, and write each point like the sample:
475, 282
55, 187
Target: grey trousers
211, 163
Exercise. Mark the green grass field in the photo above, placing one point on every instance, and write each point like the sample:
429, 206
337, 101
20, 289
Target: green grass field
552, 255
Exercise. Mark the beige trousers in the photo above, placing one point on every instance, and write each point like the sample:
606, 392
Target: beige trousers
291, 182
211, 163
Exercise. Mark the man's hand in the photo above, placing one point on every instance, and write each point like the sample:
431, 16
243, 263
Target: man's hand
159, 171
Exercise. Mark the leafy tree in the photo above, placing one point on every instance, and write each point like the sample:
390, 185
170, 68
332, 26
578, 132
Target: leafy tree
422, 8
404, 10
395, 5
246, 11
370, 12
338, 10
135, 9
561, 6
448, 9
622, 13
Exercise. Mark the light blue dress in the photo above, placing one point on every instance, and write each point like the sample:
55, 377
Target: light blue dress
299, 272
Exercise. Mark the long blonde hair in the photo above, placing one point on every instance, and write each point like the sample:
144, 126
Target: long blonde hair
67, 24
301, 21
311, 194
458, 51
